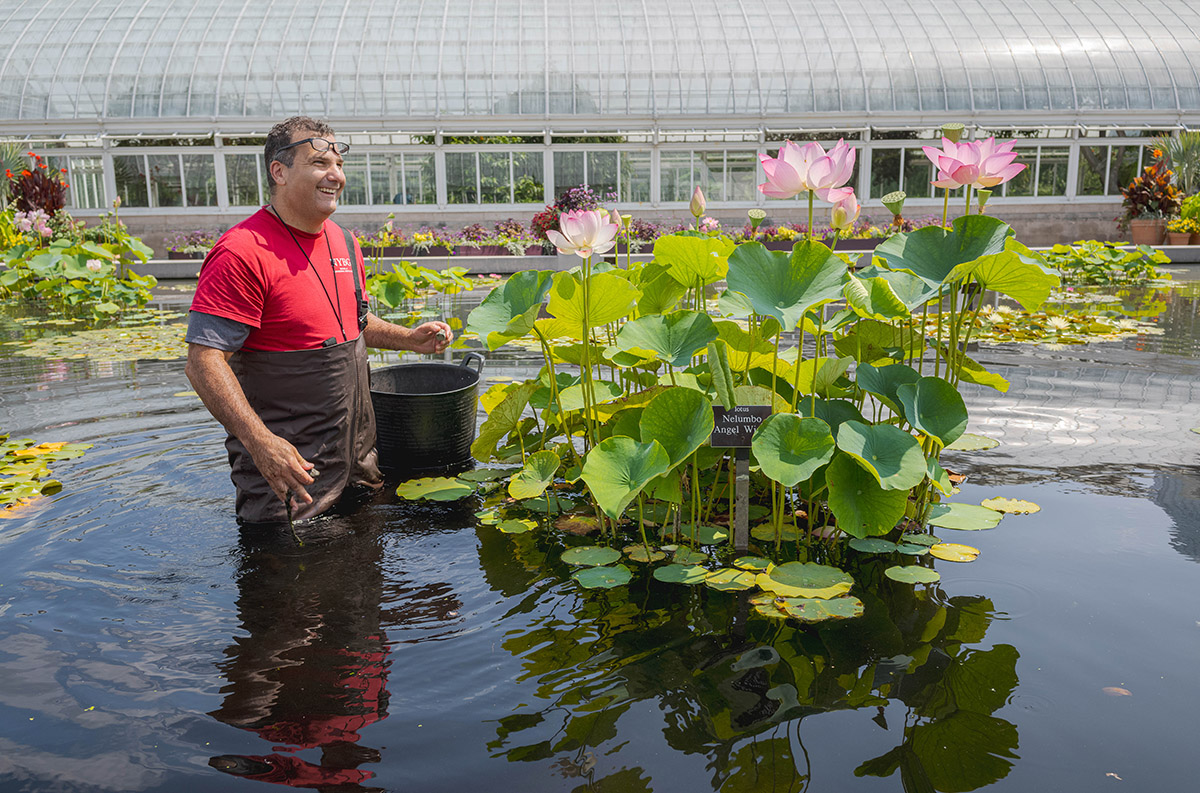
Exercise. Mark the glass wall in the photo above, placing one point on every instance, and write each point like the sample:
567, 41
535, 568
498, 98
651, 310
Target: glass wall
625, 175
165, 180
494, 177
246, 179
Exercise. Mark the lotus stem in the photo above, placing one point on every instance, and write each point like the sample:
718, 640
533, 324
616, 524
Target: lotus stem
816, 362
968, 194
946, 208
695, 498
642, 529
810, 216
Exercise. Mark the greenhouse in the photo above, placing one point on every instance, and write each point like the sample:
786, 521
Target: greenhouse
487, 109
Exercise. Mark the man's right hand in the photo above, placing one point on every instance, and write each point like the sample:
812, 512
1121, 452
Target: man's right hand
281, 465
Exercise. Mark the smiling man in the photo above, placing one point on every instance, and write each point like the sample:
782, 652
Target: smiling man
278, 335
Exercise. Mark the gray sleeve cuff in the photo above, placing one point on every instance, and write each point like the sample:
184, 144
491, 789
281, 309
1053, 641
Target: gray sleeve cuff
210, 330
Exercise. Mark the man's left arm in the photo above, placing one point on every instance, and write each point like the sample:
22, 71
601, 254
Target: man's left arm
423, 338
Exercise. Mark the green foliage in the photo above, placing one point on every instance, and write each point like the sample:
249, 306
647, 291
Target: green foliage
1095, 263
407, 281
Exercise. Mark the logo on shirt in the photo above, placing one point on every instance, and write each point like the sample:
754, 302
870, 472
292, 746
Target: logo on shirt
341, 265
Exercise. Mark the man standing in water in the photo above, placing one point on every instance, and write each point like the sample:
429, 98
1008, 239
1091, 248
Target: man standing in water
278, 333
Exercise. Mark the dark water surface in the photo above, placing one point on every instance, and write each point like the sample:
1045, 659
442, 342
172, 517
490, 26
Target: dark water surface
148, 644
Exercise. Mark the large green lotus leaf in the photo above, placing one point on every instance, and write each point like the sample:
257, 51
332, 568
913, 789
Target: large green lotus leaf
861, 506
816, 375
618, 468
761, 396
571, 399
966, 750
532, 480
502, 420
603, 577
740, 351
811, 580
970, 442
730, 580
874, 298
815, 610
485, 474
785, 286
965, 517
766, 532
873, 545
934, 407
722, 374
675, 338
509, 310
734, 304
913, 290
834, 412
660, 294
973, 372
689, 259
680, 419
607, 410
681, 574
590, 555
933, 252
889, 454
870, 341
610, 297
434, 488
667, 487
1016, 271
913, 574
882, 381
790, 449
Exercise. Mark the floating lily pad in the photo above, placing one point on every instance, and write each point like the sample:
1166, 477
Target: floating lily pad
953, 552
819, 610
537, 474
578, 525
485, 474
516, 526
812, 580
872, 545
689, 557
970, 442
920, 539
755, 563
681, 574
590, 555
603, 577
766, 533
1012, 506
730, 580
705, 534
912, 549
152, 342
488, 517
637, 553
912, 574
964, 517
765, 605
556, 504
434, 488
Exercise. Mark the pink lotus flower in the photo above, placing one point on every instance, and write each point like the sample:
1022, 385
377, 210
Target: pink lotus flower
996, 163
800, 169
979, 163
584, 232
845, 212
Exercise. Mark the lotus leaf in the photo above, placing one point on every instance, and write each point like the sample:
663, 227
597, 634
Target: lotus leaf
912, 548
834, 412
607, 410
786, 286
1012, 506
509, 311
889, 454
689, 259
488, 517
618, 468
817, 375
790, 449
938, 476
861, 506
610, 297
971, 371
660, 294
674, 338
883, 381
722, 374
871, 341
755, 563
872, 545
532, 480
603, 577
913, 574
516, 526
965, 517
818, 610
913, 290
1016, 271
734, 304
934, 252
485, 474
920, 539
874, 298
679, 419
571, 399
556, 504
765, 605
953, 552
810, 580
578, 525
969, 442
685, 555
590, 555
934, 407
730, 580
766, 533
758, 395
637, 553
434, 488
680, 574
502, 420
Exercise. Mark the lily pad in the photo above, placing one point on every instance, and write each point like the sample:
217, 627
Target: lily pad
705, 534
766, 533
681, 574
920, 539
488, 517
637, 553
755, 563
970, 442
1012, 506
590, 555
556, 505
872, 545
965, 517
812, 580
578, 525
434, 488
818, 610
912, 549
603, 577
730, 580
516, 525
912, 574
687, 556
765, 605
485, 474
953, 552
537, 474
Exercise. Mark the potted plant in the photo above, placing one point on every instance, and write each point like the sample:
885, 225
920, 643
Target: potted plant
190, 244
1149, 200
1179, 231
1190, 210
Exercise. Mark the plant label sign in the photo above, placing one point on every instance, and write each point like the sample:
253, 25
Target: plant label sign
735, 428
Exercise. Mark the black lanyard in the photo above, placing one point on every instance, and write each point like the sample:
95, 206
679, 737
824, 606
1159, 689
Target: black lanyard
335, 307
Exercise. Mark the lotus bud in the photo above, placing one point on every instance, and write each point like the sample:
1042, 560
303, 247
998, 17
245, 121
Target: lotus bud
698, 205
845, 213
952, 131
117, 202
894, 202
984, 194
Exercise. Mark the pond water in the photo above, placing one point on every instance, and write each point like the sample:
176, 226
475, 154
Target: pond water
149, 644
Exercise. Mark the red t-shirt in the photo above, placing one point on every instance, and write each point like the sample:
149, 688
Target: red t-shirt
257, 274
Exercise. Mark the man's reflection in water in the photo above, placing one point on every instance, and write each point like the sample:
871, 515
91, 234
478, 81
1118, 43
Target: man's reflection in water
312, 670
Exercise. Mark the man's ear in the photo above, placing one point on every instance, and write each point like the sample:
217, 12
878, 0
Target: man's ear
278, 172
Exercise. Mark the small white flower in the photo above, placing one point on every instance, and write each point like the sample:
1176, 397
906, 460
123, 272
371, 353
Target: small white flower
95, 265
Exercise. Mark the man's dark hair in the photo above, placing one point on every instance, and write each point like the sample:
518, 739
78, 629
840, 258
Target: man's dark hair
281, 135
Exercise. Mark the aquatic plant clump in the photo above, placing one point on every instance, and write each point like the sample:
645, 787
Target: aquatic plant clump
25, 470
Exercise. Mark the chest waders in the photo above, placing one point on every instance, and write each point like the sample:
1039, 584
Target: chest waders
320, 402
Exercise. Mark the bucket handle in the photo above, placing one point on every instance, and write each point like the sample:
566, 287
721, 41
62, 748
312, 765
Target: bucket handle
477, 358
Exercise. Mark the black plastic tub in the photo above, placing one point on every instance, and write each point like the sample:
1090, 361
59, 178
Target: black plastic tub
425, 415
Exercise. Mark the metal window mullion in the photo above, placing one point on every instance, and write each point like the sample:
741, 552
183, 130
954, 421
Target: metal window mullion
478, 181
439, 176
258, 178
220, 176
864, 173
512, 189
1072, 171
548, 185
183, 199
403, 180
655, 178
1037, 180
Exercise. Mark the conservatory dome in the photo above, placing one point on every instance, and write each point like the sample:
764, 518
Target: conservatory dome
240, 60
